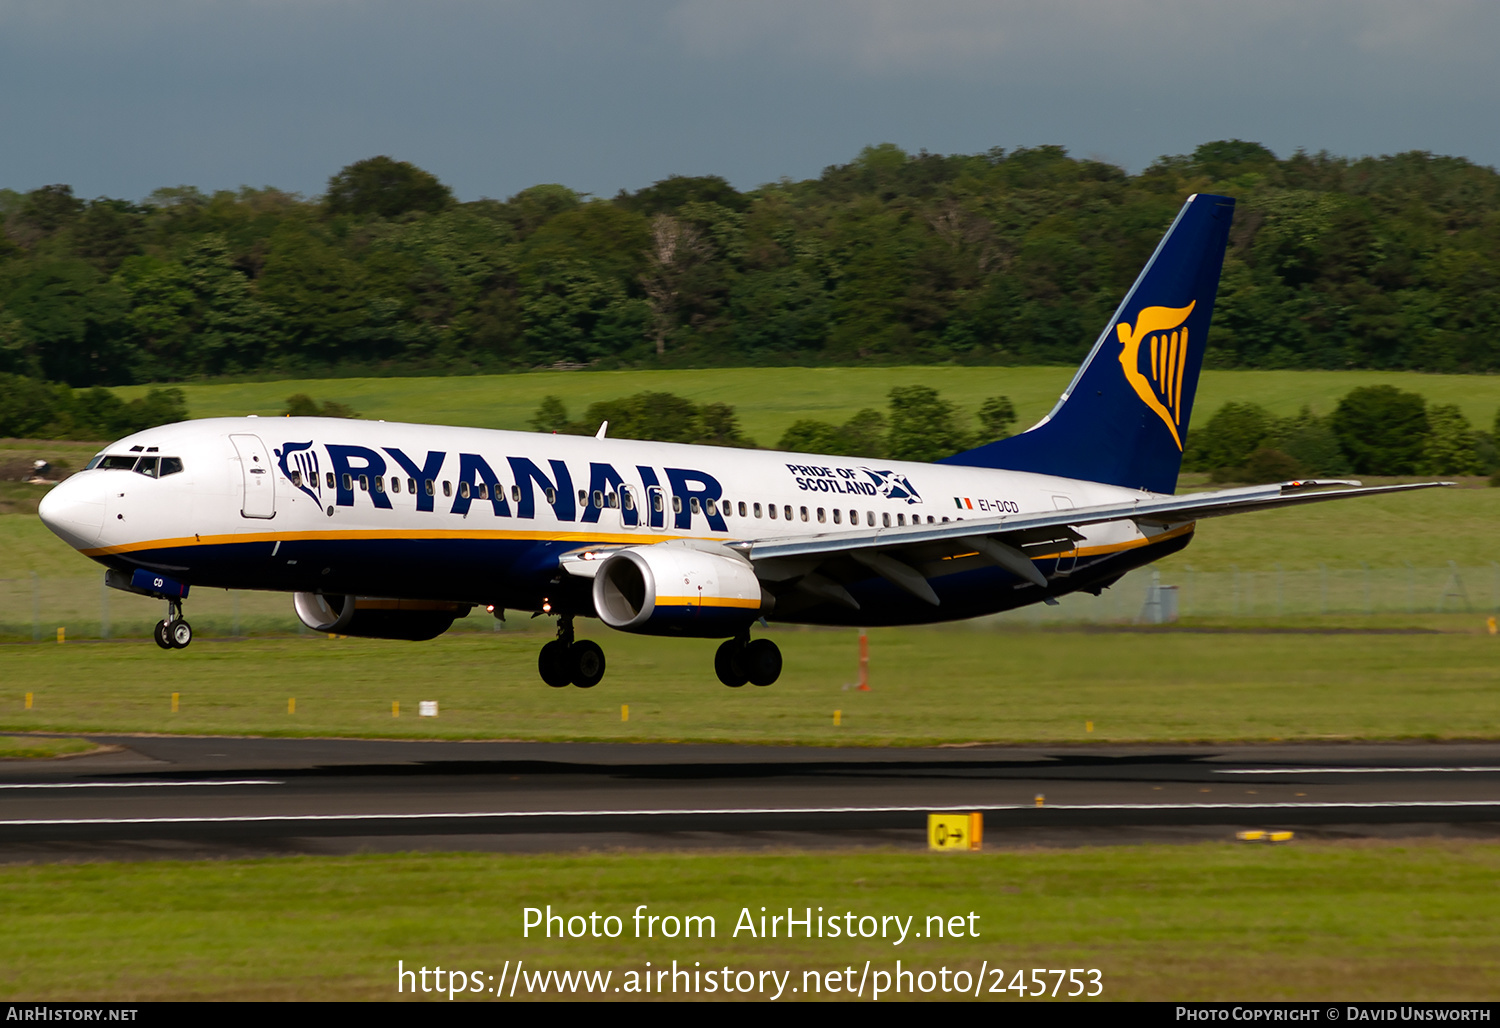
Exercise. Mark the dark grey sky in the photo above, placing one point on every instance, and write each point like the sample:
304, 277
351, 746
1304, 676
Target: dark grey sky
119, 97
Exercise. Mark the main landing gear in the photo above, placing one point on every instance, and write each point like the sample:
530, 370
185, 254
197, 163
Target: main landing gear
172, 632
568, 661
739, 661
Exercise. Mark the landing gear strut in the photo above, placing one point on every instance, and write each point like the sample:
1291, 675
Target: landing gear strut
565, 661
739, 661
172, 632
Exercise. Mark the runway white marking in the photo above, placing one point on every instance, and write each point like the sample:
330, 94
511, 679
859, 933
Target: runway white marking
1354, 770
516, 814
130, 785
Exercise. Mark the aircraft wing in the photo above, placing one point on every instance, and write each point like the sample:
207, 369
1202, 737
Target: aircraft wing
899, 554
908, 555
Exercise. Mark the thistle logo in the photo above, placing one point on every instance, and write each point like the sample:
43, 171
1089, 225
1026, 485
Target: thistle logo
1160, 385
892, 485
302, 459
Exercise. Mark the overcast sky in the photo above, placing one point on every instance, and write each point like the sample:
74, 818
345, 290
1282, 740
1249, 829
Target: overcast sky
119, 97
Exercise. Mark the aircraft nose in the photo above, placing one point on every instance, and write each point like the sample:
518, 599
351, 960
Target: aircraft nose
74, 511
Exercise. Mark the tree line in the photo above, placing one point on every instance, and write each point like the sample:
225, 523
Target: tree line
1005, 257
1373, 430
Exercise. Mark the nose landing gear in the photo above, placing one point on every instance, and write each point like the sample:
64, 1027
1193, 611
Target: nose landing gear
566, 661
173, 632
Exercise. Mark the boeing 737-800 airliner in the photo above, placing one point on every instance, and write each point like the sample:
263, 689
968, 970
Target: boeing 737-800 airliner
394, 530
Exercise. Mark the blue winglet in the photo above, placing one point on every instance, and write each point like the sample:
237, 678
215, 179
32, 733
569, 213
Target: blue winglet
1124, 417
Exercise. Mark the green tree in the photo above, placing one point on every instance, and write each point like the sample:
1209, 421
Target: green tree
1451, 442
551, 415
1382, 430
386, 187
1234, 432
27, 407
923, 425
996, 416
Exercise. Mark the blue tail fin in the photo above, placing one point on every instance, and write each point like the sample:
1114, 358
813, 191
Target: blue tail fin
1125, 415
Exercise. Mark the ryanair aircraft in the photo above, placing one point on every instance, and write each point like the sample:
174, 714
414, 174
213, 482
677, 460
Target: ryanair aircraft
394, 530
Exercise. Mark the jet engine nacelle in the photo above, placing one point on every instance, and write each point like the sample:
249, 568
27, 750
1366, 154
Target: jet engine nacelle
672, 589
372, 617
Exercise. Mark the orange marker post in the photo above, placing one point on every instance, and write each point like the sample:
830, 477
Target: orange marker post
864, 663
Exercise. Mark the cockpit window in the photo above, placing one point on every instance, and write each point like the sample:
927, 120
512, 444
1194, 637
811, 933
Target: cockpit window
146, 466
170, 466
91, 465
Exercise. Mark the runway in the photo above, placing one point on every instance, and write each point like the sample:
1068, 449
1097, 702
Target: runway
191, 797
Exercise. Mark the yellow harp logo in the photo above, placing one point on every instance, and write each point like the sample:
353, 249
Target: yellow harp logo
1160, 385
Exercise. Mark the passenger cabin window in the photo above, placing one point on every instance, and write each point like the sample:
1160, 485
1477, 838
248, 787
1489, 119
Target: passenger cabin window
364, 483
380, 484
771, 511
395, 484
709, 506
822, 517
598, 499
348, 482
677, 505
330, 479
885, 519
613, 500
787, 510
693, 503
838, 516
757, 510
411, 486
900, 519
515, 493
447, 488
583, 496
804, 513
297, 479
854, 517
870, 518
656, 502
429, 487
482, 490
463, 490
551, 495
742, 508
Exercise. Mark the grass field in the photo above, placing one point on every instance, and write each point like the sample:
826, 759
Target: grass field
929, 687
41, 747
1373, 921
768, 400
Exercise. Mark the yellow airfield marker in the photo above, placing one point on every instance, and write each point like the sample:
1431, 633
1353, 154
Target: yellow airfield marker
174, 703
1281, 836
1492, 626
291, 705
28, 701
955, 833
837, 714
624, 712
60, 634
395, 708
1088, 726
1252, 836
1040, 800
